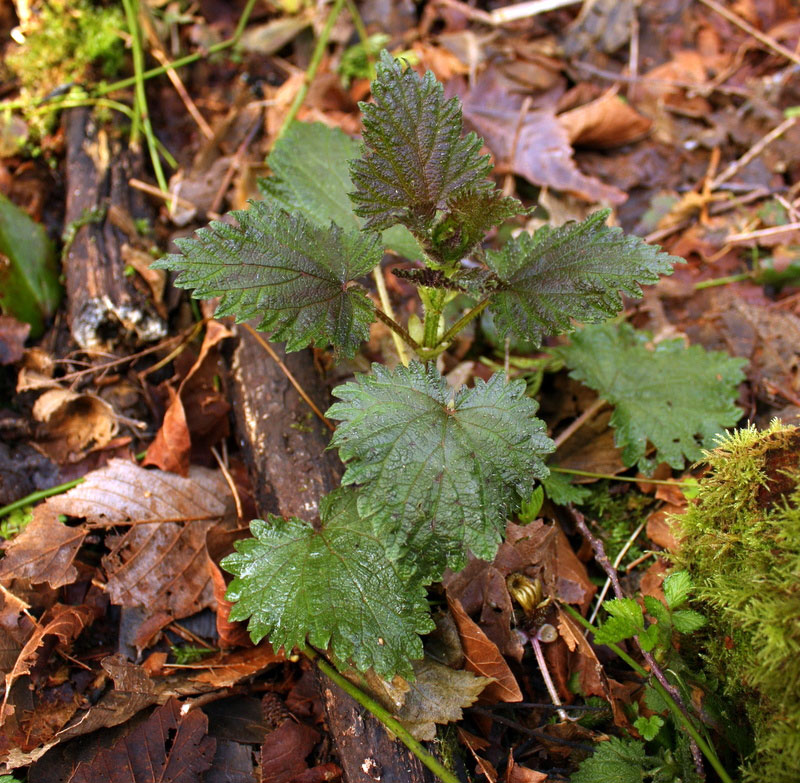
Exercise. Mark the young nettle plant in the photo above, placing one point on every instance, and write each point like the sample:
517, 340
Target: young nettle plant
431, 475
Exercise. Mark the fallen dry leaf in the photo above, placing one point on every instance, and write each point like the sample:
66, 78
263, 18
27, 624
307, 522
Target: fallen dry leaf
542, 153
437, 695
65, 623
660, 528
515, 773
483, 657
196, 401
284, 752
168, 746
45, 550
161, 566
74, 423
605, 122
226, 669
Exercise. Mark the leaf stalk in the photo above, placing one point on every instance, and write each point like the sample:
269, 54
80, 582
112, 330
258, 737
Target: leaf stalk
385, 717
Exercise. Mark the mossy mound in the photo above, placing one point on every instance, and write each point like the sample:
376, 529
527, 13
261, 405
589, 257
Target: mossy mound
741, 542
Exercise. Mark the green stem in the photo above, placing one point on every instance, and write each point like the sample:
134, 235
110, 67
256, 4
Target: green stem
612, 477
464, 320
723, 280
188, 59
386, 718
397, 329
132, 16
707, 750
42, 494
311, 71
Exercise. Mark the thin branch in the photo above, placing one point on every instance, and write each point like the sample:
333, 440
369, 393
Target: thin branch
767, 40
588, 414
397, 329
464, 320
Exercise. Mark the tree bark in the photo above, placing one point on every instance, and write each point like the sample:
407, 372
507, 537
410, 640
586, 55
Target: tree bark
104, 307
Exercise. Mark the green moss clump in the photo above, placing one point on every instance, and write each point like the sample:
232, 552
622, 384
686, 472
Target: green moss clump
63, 38
741, 542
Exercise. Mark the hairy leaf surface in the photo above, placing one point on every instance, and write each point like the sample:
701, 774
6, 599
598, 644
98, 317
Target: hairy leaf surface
625, 620
285, 270
416, 157
310, 167
439, 474
334, 586
576, 271
618, 760
674, 397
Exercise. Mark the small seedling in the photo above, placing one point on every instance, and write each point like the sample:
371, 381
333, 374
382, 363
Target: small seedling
432, 475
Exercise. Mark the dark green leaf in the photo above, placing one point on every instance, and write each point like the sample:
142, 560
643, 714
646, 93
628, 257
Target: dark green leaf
677, 588
576, 272
29, 286
333, 586
615, 761
470, 214
439, 475
626, 620
416, 158
562, 491
310, 167
676, 398
687, 620
288, 272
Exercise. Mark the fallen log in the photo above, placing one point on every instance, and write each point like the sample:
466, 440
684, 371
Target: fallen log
291, 471
104, 306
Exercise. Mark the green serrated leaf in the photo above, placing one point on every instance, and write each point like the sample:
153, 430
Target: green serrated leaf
416, 158
439, 475
625, 621
559, 489
29, 285
615, 761
676, 398
649, 727
576, 271
687, 620
656, 609
333, 587
677, 588
310, 167
281, 268
470, 214
649, 638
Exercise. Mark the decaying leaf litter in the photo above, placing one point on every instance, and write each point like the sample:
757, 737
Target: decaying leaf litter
681, 117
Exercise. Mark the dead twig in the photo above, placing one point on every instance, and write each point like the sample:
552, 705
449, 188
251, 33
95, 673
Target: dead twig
767, 40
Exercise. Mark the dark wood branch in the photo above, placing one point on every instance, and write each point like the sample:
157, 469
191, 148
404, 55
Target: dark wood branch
104, 307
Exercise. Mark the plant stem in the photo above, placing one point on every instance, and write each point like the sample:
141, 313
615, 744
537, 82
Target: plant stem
708, 751
612, 477
311, 71
398, 330
41, 494
188, 59
386, 304
385, 717
723, 280
132, 16
463, 321
434, 300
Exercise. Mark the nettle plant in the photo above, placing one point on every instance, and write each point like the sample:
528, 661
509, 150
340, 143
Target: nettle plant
432, 475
